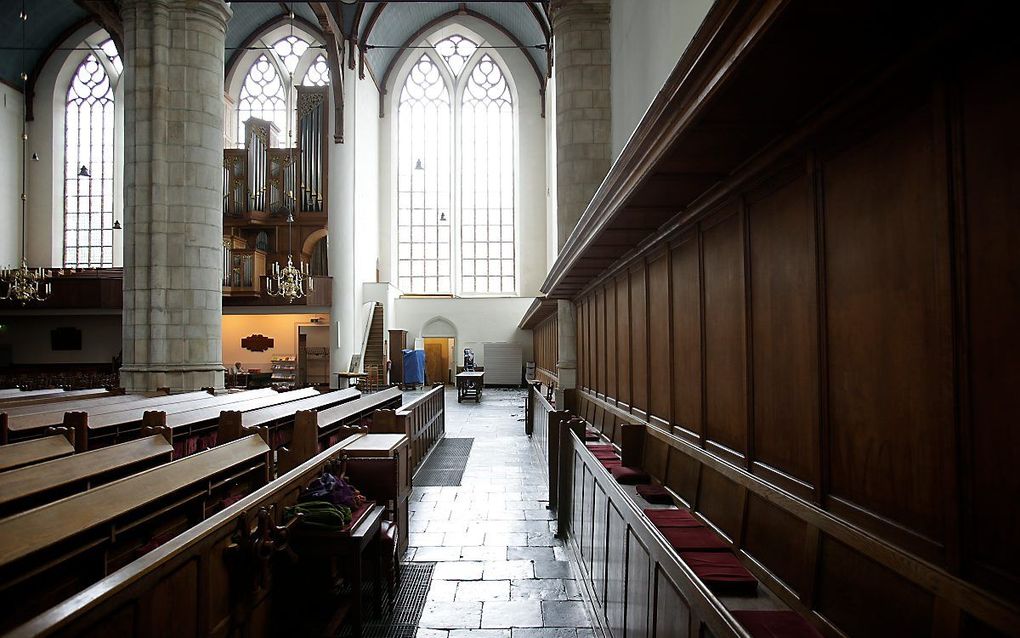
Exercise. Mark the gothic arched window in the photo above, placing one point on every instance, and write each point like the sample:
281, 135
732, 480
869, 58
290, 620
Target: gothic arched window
456, 167
263, 95
318, 73
89, 163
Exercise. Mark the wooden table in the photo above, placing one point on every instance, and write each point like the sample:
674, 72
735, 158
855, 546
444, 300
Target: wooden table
352, 378
469, 386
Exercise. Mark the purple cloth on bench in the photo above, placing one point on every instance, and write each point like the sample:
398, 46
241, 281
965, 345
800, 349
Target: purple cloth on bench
672, 518
629, 475
655, 494
693, 539
775, 624
722, 573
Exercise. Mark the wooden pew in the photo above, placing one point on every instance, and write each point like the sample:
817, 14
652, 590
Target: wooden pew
316, 431
37, 484
12, 405
216, 578
114, 427
14, 394
278, 419
423, 421
17, 455
27, 426
53, 551
195, 430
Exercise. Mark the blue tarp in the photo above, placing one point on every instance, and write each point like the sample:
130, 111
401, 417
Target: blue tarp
414, 367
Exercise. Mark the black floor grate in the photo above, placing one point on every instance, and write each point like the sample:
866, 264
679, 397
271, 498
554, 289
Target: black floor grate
445, 466
402, 620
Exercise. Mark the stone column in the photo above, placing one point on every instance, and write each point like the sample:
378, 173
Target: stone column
583, 135
173, 219
342, 244
566, 358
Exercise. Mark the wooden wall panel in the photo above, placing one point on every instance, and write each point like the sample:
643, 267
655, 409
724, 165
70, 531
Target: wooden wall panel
725, 335
784, 321
638, 590
616, 570
612, 346
623, 338
991, 101
546, 339
639, 339
659, 355
778, 539
672, 613
686, 321
722, 502
853, 592
889, 344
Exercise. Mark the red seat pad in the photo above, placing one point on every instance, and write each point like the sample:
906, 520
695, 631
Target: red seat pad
606, 447
609, 464
672, 518
591, 435
721, 572
655, 494
693, 539
605, 455
775, 624
629, 475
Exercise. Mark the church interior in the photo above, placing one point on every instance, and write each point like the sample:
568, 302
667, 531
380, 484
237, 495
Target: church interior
509, 319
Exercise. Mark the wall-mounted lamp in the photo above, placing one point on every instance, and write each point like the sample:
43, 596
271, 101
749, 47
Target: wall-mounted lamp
35, 157
418, 166
84, 172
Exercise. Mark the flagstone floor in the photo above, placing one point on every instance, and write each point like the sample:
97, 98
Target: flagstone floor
500, 572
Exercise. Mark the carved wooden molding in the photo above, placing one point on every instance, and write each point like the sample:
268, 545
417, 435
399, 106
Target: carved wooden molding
257, 343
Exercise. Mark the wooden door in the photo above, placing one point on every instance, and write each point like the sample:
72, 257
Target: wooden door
437, 360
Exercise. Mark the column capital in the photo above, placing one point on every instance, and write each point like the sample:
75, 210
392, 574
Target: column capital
563, 11
215, 10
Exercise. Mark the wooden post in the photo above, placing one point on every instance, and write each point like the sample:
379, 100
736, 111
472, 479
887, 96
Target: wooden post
632, 444
304, 442
565, 474
386, 421
230, 427
4, 428
78, 423
162, 430
553, 454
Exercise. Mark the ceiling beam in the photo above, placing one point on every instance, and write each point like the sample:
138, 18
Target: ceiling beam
333, 39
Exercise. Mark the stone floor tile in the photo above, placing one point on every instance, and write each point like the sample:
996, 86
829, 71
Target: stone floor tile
538, 589
431, 633
545, 632
478, 591
436, 554
480, 633
530, 553
508, 570
442, 591
518, 613
458, 570
542, 539
423, 539
564, 613
519, 539
444, 615
484, 553
573, 589
552, 569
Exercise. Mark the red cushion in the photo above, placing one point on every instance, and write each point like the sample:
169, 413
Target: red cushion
601, 448
672, 518
775, 624
721, 572
605, 455
655, 494
684, 539
609, 464
629, 475
591, 435
388, 533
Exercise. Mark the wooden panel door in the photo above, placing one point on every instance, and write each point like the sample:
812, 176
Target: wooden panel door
437, 360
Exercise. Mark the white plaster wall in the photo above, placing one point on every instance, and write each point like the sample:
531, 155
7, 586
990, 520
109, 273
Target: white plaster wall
364, 135
531, 149
477, 321
11, 117
647, 37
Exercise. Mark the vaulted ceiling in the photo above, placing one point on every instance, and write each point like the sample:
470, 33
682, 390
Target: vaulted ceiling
378, 29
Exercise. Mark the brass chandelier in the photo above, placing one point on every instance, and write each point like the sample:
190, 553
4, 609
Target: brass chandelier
23, 284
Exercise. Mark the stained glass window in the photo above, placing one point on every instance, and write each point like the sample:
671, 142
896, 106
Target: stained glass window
488, 263
263, 95
88, 166
424, 181
318, 73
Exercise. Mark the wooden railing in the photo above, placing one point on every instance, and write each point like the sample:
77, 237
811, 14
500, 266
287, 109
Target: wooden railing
542, 424
219, 573
423, 421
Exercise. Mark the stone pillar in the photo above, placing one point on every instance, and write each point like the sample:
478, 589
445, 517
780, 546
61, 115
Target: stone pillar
343, 313
566, 358
173, 219
583, 135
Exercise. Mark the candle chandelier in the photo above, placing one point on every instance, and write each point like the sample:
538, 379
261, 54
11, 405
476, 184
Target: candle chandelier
290, 282
23, 284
